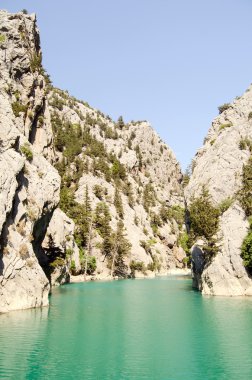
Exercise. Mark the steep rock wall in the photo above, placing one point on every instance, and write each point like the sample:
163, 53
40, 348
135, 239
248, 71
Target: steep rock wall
29, 185
218, 166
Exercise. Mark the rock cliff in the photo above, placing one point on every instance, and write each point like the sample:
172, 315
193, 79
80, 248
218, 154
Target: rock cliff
218, 167
80, 193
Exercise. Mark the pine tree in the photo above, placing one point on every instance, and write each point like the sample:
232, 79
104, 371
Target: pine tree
245, 194
127, 189
121, 248
148, 197
204, 222
118, 203
120, 123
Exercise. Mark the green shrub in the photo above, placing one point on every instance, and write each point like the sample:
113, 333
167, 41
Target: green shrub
177, 213
250, 115
98, 191
155, 222
245, 193
183, 241
224, 107
128, 191
2, 38
35, 62
155, 265
26, 150
137, 266
118, 170
72, 267
226, 125
149, 197
120, 123
57, 102
41, 119
69, 252
118, 203
204, 222
58, 262
245, 143
91, 263
246, 250
225, 204
17, 107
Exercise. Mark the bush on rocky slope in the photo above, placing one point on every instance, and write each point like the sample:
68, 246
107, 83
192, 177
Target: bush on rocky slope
204, 222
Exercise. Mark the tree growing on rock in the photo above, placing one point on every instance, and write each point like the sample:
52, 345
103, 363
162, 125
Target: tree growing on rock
204, 222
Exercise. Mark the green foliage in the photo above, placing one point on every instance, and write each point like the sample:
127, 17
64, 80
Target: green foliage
226, 125
72, 267
183, 241
245, 143
2, 38
121, 248
146, 245
128, 191
36, 62
137, 266
118, 170
98, 191
250, 115
139, 156
18, 107
225, 204
102, 219
224, 107
155, 222
91, 263
132, 136
41, 120
155, 265
204, 221
120, 123
80, 214
118, 203
177, 213
58, 262
57, 102
245, 193
149, 197
246, 249
186, 179
24, 11
26, 150
164, 213
110, 133
204, 216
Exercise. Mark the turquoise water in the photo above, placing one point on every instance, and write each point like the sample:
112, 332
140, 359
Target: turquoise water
132, 329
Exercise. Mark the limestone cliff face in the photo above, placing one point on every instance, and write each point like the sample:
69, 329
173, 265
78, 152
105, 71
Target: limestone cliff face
148, 180
124, 168
29, 184
218, 165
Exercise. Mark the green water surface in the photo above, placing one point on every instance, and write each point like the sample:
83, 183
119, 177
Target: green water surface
131, 329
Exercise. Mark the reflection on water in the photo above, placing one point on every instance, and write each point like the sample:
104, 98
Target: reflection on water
133, 329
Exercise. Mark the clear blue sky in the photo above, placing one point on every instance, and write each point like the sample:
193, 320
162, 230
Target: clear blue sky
170, 62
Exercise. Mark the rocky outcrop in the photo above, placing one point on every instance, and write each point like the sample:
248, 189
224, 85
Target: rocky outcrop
29, 184
218, 166
129, 160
